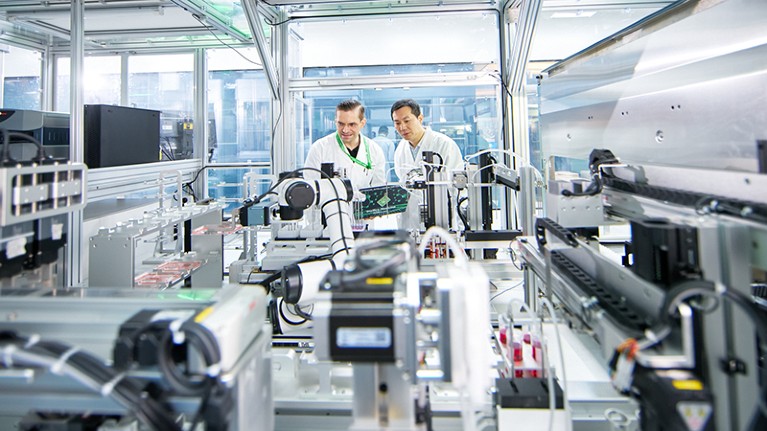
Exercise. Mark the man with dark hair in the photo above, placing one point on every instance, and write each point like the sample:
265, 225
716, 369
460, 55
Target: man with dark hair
408, 157
353, 155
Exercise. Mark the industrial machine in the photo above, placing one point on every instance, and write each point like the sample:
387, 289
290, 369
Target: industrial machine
38, 193
673, 308
51, 129
159, 361
168, 246
307, 218
105, 359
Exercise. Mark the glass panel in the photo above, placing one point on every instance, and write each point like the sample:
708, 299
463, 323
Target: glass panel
228, 185
561, 33
101, 82
20, 70
240, 117
227, 11
422, 39
469, 115
303, 131
239, 104
166, 83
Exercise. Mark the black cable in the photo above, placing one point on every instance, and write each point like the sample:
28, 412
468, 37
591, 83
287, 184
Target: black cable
201, 409
365, 248
274, 129
505, 290
285, 318
594, 188
461, 215
40, 150
301, 313
356, 277
693, 288
168, 150
7, 135
275, 24
191, 191
200, 338
503, 83
126, 391
6, 157
266, 283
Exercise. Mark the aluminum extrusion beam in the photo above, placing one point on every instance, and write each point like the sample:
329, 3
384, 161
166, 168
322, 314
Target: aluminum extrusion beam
75, 243
520, 49
254, 22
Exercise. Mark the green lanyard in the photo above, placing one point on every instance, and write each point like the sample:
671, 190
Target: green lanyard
354, 159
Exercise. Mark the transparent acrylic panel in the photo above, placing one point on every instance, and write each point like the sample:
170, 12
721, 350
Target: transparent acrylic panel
228, 12
562, 32
468, 114
101, 81
239, 112
166, 83
21, 70
403, 39
228, 185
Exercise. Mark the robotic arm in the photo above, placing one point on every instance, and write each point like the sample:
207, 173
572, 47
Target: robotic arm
300, 278
332, 196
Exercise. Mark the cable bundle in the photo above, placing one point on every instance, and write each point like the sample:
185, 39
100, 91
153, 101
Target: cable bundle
91, 372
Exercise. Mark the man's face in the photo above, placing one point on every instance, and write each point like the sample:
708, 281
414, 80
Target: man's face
349, 124
408, 125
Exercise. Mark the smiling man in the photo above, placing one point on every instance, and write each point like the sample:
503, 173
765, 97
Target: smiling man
353, 155
408, 157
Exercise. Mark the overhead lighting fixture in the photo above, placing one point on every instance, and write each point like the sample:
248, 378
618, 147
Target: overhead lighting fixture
576, 14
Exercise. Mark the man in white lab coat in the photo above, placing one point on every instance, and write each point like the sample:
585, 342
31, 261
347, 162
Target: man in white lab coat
408, 157
353, 155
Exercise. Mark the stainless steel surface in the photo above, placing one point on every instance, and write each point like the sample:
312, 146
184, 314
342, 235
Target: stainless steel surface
527, 199
684, 90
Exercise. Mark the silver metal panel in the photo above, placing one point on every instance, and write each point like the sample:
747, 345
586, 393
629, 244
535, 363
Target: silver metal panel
686, 88
32, 192
114, 181
111, 261
209, 247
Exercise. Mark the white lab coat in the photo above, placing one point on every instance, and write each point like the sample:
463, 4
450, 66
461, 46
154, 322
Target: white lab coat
327, 150
406, 166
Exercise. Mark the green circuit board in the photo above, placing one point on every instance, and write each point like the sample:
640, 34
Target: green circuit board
380, 201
